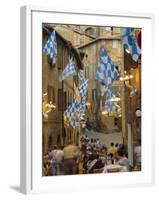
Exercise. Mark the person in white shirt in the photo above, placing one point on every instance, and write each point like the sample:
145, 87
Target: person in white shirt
52, 154
137, 152
60, 160
122, 160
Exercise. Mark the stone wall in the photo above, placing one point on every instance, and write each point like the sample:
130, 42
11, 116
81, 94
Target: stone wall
91, 62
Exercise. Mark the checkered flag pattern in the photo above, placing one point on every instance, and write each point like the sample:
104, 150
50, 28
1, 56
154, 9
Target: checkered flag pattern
106, 72
83, 92
72, 113
50, 47
110, 106
68, 71
83, 88
129, 41
76, 109
81, 76
82, 106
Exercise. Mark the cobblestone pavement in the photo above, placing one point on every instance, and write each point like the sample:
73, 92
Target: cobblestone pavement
105, 139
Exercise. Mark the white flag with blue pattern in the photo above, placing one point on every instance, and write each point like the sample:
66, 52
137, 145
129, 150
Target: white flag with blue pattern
69, 70
83, 88
83, 92
77, 109
110, 106
72, 113
129, 41
81, 76
50, 47
106, 72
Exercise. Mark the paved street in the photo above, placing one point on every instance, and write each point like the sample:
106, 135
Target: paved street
91, 82
105, 139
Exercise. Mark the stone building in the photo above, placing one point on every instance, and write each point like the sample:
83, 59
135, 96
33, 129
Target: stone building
111, 42
133, 97
58, 93
75, 34
132, 102
81, 34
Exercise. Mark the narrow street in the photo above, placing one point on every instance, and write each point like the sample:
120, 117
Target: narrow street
105, 139
91, 96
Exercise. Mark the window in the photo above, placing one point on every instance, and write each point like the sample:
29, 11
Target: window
90, 31
60, 57
50, 141
115, 121
68, 100
59, 99
62, 100
94, 91
109, 29
51, 94
115, 44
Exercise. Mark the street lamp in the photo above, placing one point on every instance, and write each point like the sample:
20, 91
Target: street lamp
88, 104
138, 113
47, 107
104, 112
126, 77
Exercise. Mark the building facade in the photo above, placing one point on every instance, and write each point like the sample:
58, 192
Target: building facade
60, 94
101, 122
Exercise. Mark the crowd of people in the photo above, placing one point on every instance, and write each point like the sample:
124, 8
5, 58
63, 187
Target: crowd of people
89, 157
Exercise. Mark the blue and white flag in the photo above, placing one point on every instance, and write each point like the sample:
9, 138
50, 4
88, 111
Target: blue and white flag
68, 71
82, 106
83, 92
83, 88
81, 76
76, 109
129, 41
110, 106
50, 47
72, 113
106, 72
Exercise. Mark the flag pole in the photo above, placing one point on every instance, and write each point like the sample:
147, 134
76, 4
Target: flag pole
123, 98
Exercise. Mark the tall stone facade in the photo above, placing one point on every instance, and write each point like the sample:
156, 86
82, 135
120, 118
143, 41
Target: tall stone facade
58, 93
92, 50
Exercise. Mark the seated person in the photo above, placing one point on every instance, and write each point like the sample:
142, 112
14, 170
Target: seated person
94, 163
121, 159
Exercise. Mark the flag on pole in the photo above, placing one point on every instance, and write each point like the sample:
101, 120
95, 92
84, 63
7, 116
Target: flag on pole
106, 72
129, 41
101, 105
103, 89
68, 71
83, 92
83, 88
72, 114
81, 76
50, 47
82, 106
110, 106
77, 108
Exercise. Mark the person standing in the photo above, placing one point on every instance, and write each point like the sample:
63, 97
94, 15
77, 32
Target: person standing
111, 151
71, 153
137, 152
60, 160
52, 154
